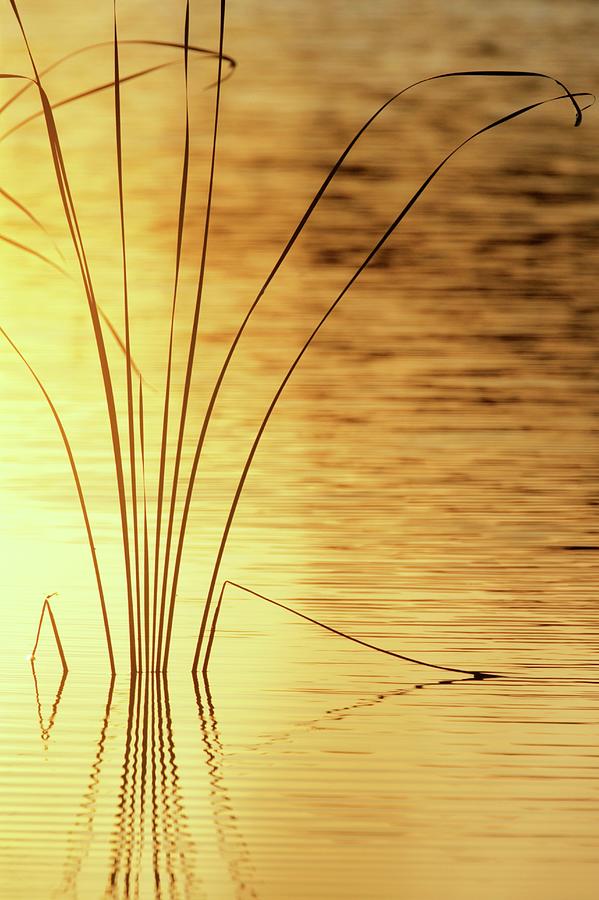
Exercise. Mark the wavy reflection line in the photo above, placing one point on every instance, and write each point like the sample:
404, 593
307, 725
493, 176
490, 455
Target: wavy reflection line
150, 820
231, 841
185, 844
173, 850
167, 822
46, 727
341, 712
84, 820
143, 775
154, 799
131, 873
120, 830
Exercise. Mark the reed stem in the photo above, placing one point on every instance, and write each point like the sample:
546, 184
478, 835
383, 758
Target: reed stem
169, 365
146, 551
130, 410
47, 608
284, 253
191, 356
348, 637
75, 233
80, 494
373, 252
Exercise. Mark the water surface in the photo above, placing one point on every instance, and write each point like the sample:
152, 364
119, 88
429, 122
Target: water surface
429, 483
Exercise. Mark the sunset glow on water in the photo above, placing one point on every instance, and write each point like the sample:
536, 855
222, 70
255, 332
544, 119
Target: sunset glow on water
427, 482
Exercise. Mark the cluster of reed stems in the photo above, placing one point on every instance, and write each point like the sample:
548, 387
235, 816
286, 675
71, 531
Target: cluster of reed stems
152, 573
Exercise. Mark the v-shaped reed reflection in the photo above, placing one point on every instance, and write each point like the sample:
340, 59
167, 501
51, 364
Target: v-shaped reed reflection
132, 823
46, 726
137, 830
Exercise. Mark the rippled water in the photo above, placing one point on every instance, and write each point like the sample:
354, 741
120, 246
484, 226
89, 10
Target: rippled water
428, 484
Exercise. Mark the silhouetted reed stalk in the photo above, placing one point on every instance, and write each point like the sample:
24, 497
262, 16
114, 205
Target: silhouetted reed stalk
169, 364
130, 412
74, 230
191, 352
192, 48
158, 602
146, 549
33, 218
36, 253
46, 608
370, 256
80, 494
77, 241
348, 637
287, 248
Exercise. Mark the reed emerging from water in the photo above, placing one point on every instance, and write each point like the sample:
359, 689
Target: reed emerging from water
152, 572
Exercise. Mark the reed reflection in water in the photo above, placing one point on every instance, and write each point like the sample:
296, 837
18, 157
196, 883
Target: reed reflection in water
151, 850
349, 788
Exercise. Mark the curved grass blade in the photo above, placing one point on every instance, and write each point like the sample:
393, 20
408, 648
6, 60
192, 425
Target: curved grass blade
113, 331
192, 349
30, 250
32, 218
348, 637
211, 54
73, 225
370, 256
107, 85
80, 494
283, 255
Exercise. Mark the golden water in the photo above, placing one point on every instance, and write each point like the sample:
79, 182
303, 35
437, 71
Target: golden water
429, 482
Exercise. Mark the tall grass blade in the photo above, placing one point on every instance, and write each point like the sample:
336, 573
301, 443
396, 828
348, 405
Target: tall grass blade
191, 353
73, 225
169, 364
146, 550
373, 252
283, 255
130, 408
80, 494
